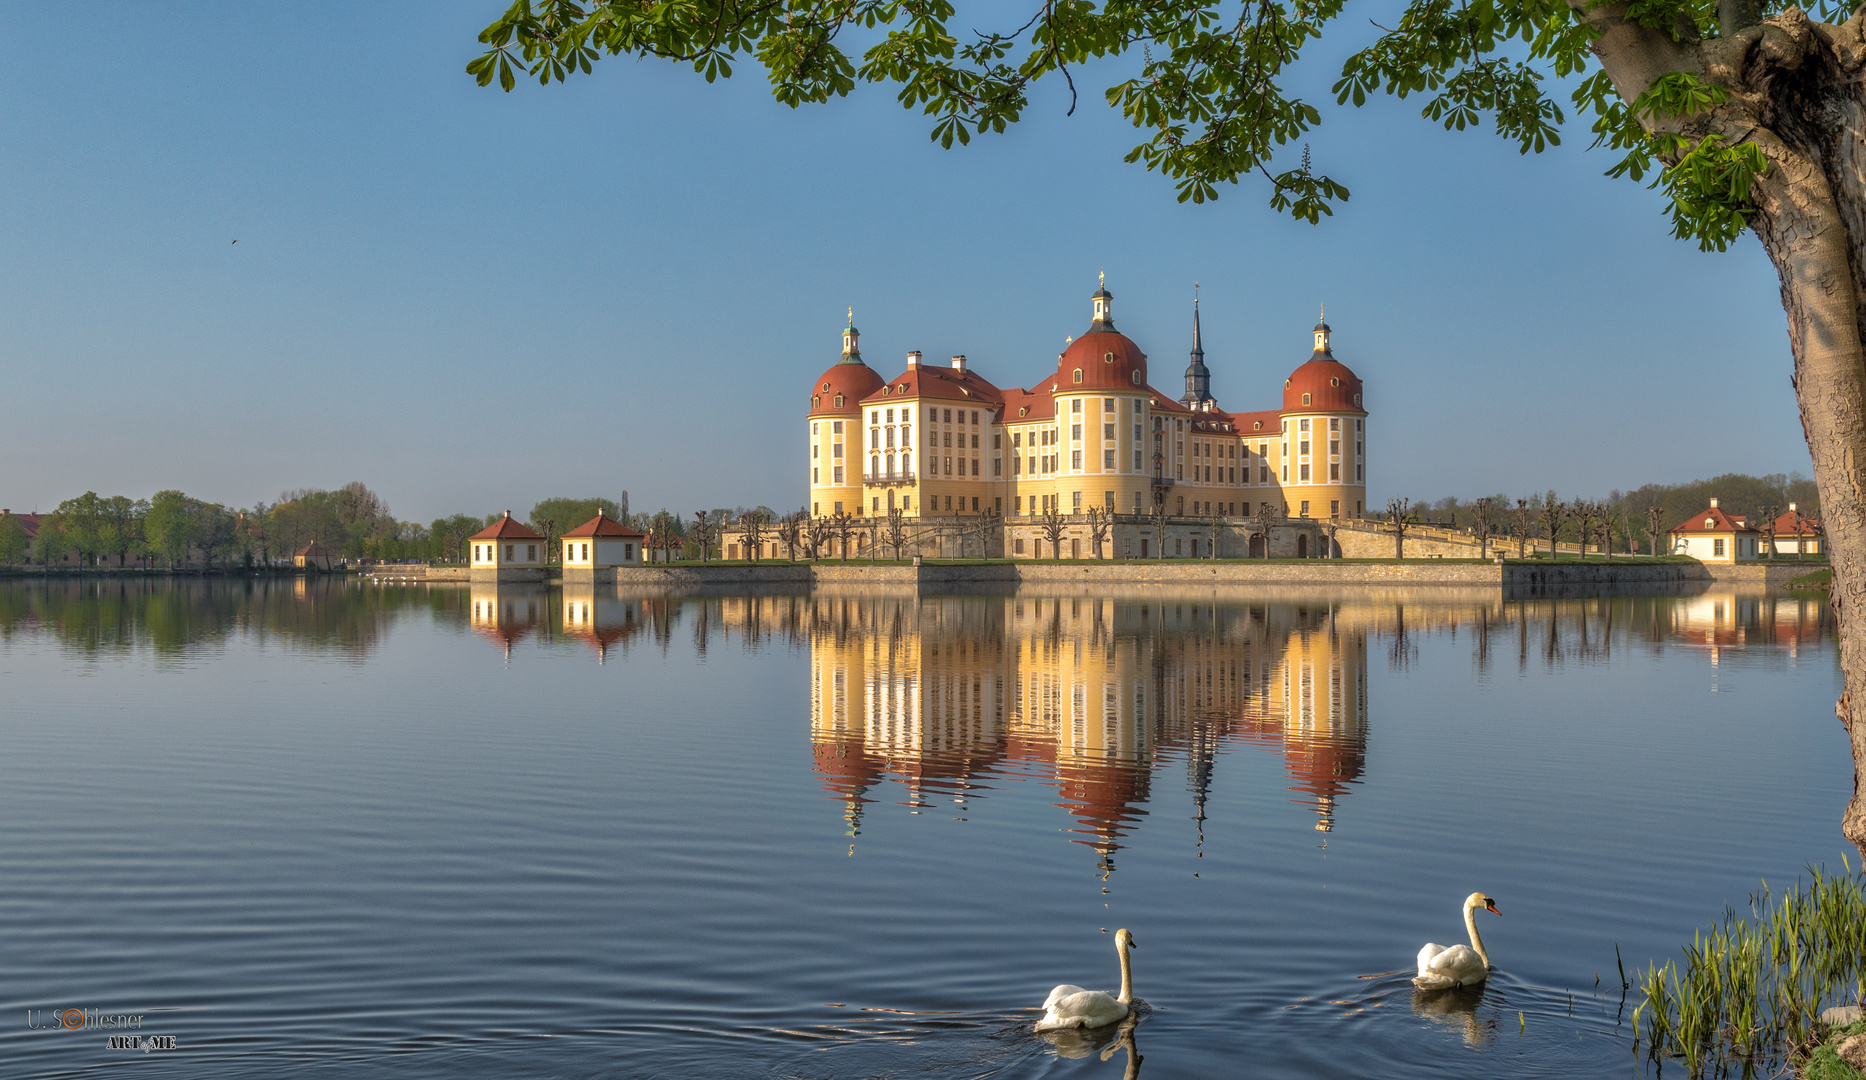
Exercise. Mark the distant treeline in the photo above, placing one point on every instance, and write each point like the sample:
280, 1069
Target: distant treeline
1628, 512
172, 528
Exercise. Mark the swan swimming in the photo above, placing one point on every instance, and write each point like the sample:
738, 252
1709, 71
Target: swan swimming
1073, 1007
1442, 968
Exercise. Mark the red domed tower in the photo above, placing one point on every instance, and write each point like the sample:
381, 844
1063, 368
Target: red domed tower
1324, 436
835, 428
1100, 398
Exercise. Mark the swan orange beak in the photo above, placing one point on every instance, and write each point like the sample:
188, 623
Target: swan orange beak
1491, 906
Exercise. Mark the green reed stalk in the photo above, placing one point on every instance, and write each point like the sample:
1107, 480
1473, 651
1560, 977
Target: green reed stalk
1753, 988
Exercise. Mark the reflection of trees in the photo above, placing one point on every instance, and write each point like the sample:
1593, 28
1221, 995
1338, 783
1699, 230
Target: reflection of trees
172, 616
1587, 630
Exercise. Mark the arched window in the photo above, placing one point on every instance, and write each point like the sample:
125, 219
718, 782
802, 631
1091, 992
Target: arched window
1357, 400
838, 401
1305, 399
1136, 376
1078, 375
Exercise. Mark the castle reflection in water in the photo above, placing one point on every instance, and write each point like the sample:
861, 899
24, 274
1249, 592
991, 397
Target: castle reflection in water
936, 698
1090, 694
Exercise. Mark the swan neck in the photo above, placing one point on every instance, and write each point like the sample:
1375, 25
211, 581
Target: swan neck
1477, 939
1127, 978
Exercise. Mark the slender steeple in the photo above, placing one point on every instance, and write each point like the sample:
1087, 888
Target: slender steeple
851, 342
1198, 376
1321, 332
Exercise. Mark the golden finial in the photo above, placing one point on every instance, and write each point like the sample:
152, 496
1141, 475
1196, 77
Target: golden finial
1102, 278
1323, 317
851, 314
1195, 292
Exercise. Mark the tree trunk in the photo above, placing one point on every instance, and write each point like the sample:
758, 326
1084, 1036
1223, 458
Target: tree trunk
1795, 92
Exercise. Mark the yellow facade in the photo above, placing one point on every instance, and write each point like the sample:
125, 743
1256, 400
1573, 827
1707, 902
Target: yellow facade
939, 440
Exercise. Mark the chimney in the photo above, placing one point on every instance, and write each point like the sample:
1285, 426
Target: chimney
1791, 509
958, 362
913, 358
1713, 504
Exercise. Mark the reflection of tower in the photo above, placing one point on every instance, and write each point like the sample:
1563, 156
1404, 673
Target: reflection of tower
1312, 703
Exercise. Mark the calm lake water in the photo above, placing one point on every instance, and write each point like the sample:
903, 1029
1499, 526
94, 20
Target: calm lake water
363, 831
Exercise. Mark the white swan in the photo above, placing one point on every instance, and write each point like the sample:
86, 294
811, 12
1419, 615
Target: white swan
1442, 968
1073, 1007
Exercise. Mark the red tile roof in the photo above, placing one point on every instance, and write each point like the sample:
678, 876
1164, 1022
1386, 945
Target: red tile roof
28, 522
854, 381
1028, 406
315, 550
1107, 359
1785, 526
506, 529
946, 383
1711, 520
1327, 381
602, 525
1246, 423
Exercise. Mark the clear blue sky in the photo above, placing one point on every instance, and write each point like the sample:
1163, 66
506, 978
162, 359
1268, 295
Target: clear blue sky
471, 300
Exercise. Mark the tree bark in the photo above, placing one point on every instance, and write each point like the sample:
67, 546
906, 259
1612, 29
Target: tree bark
1795, 91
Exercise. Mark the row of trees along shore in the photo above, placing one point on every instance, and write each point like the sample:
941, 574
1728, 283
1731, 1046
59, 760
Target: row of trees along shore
173, 529
1621, 522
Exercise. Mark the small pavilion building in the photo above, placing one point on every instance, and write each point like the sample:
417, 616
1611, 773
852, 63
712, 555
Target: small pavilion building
1715, 536
504, 546
1796, 534
313, 556
599, 543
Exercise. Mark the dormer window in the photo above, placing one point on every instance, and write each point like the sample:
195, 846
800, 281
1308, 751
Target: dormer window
1357, 401
1305, 399
1078, 375
1136, 375
1336, 381
1710, 523
1107, 357
838, 401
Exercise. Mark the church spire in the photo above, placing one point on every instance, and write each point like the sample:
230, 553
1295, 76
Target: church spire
1198, 376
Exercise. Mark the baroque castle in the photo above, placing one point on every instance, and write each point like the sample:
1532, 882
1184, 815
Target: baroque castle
938, 441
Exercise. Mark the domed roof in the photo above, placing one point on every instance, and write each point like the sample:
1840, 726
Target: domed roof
1107, 360
853, 380
1328, 382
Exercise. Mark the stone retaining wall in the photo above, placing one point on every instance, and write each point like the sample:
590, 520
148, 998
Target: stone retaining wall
1515, 577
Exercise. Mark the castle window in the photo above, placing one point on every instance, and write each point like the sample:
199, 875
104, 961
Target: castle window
1336, 381
838, 401
1078, 375
1305, 399
1136, 376
1357, 401
835, 428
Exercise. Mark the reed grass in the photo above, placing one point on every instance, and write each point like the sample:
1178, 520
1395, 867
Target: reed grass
1750, 990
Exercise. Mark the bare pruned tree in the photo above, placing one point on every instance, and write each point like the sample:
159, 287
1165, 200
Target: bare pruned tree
790, 532
1098, 523
1655, 517
1052, 526
1769, 514
815, 535
703, 532
1214, 534
843, 525
1585, 511
752, 525
1555, 513
1483, 523
1523, 525
896, 534
1396, 521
